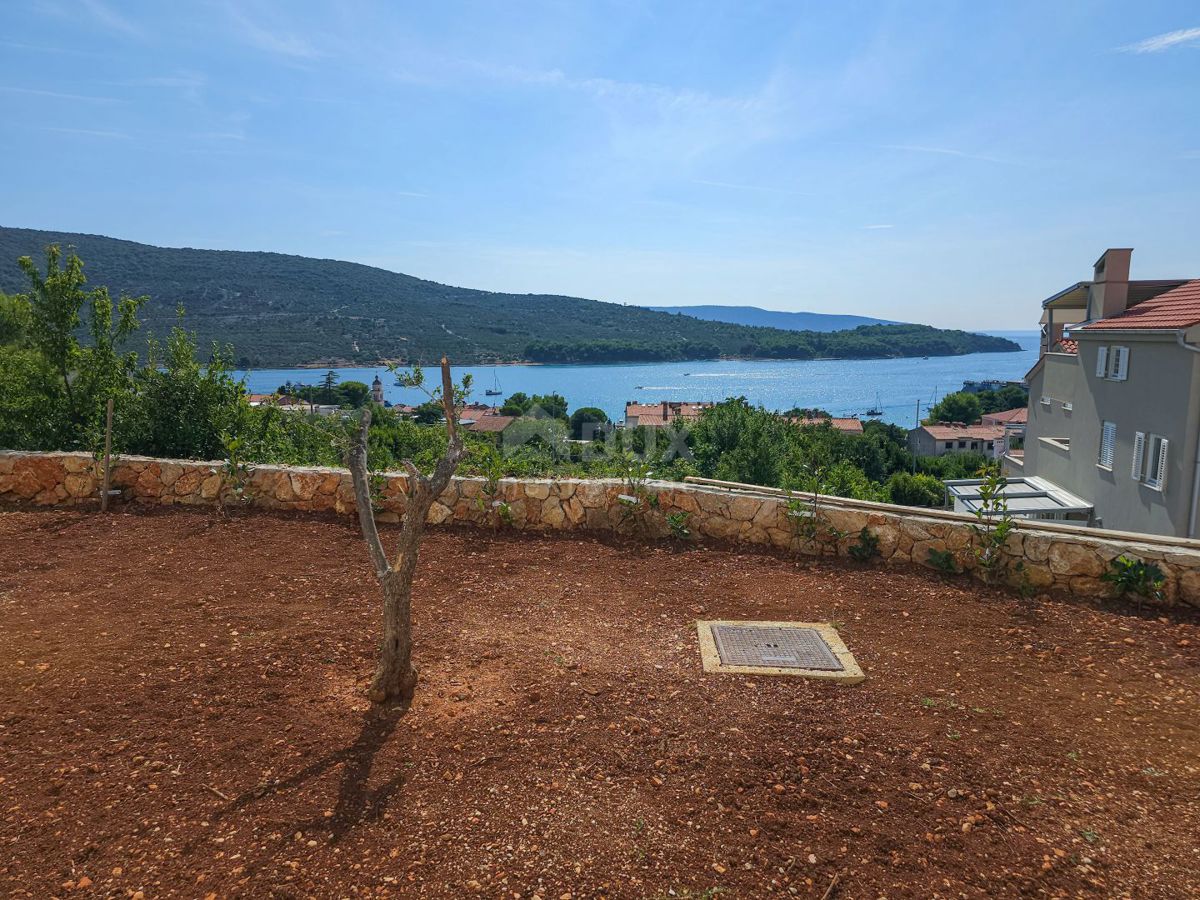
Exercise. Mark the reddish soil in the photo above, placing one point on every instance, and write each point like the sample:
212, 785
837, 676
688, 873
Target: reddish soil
182, 716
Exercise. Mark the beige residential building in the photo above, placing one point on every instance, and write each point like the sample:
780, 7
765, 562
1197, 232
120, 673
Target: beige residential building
1114, 400
940, 438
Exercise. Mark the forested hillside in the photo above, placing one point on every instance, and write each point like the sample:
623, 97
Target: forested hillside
281, 310
771, 318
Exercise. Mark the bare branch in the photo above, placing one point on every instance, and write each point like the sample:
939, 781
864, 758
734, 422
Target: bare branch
415, 475
357, 460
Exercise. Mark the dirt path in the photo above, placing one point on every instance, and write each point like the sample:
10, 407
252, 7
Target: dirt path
182, 716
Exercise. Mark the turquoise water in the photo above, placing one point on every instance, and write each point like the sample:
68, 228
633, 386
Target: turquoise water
844, 387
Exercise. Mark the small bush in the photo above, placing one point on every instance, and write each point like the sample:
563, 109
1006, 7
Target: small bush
943, 561
1137, 577
677, 522
866, 547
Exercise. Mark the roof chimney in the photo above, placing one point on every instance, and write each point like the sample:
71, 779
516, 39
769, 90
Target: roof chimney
1109, 294
666, 408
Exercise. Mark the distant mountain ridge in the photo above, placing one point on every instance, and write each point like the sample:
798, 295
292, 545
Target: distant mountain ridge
770, 318
278, 310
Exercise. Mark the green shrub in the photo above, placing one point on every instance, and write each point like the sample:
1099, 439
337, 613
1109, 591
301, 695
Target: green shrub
1134, 576
916, 490
866, 547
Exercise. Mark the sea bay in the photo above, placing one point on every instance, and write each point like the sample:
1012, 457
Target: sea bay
844, 387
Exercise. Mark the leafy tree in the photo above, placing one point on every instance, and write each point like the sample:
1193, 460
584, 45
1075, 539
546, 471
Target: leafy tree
14, 320
182, 408
735, 441
30, 408
49, 317
916, 490
587, 415
842, 479
353, 393
517, 404
428, 413
329, 394
552, 405
958, 407
805, 412
1011, 396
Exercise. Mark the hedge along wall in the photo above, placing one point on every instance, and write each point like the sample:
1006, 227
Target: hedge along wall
1053, 556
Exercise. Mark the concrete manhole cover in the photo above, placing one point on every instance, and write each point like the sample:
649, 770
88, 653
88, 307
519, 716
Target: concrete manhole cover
770, 645
813, 650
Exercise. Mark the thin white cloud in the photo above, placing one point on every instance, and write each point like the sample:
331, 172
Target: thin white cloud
87, 132
219, 136
57, 95
111, 19
281, 43
941, 151
1161, 42
755, 188
189, 84
656, 122
875, 227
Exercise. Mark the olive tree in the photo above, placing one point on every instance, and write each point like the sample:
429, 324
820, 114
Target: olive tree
395, 676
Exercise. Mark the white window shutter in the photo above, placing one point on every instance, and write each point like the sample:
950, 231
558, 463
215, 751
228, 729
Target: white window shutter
1139, 451
1101, 362
1108, 443
1121, 364
1162, 465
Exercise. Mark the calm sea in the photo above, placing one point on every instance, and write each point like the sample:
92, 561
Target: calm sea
844, 387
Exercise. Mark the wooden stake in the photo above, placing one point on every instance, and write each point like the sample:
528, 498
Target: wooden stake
107, 452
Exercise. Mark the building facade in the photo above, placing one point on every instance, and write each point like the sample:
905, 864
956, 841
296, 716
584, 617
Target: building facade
1114, 400
951, 437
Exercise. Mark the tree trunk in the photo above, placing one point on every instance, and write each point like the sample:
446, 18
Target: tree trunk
395, 678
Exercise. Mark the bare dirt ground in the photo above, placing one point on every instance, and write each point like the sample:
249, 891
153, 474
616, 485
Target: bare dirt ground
182, 716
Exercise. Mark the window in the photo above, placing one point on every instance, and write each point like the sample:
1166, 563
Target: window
1108, 445
1112, 363
949, 445
1156, 462
962, 444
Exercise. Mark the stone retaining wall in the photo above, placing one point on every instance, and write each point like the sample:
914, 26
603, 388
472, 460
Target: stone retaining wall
1053, 558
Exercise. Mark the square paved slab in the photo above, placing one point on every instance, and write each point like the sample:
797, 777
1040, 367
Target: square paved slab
808, 649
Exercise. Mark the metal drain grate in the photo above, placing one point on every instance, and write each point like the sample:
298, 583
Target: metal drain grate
769, 645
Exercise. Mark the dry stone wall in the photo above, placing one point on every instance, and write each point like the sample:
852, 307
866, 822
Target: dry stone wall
1051, 558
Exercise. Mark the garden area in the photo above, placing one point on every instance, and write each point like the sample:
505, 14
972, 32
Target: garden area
185, 716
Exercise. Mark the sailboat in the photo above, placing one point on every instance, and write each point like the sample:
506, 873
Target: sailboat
877, 409
496, 392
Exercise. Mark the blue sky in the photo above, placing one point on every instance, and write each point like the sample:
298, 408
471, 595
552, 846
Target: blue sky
946, 162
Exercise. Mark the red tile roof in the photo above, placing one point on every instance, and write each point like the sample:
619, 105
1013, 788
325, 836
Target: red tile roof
1177, 308
1018, 416
846, 425
491, 424
1066, 345
946, 431
664, 413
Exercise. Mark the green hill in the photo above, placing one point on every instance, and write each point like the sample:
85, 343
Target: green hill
280, 310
